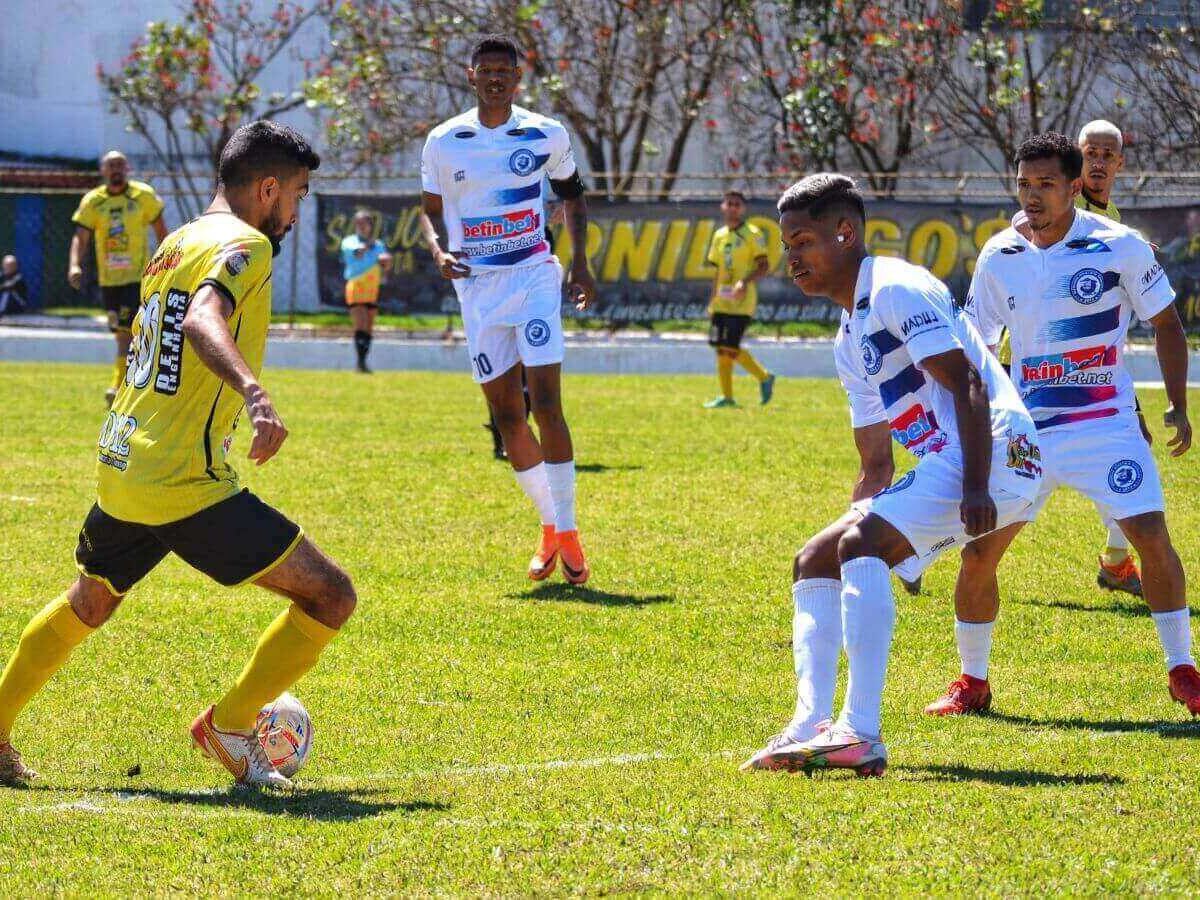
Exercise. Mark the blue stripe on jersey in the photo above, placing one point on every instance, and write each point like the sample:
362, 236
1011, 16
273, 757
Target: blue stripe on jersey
527, 134
885, 342
1067, 397
517, 195
508, 259
1067, 418
1082, 326
909, 381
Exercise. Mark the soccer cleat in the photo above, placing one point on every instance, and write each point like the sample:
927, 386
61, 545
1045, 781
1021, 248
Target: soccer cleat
109, 396
1185, 687
542, 565
766, 389
242, 754
13, 772
1122, 577
834, 747
720, 403
913, 588
965, 695
574, 563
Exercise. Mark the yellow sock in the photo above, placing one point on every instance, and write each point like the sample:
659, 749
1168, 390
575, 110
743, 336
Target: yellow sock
45, 644
120, 364
287, 649
725, 375
750, 364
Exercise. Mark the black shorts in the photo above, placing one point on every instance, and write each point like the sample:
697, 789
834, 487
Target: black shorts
234, 541
727, 329
121, 304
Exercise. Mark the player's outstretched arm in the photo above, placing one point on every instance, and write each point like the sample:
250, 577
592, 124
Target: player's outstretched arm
206, 327
876, 465
1170, 343
431, 213
953, 371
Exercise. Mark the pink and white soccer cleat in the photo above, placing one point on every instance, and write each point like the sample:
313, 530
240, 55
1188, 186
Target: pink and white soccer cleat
834, 747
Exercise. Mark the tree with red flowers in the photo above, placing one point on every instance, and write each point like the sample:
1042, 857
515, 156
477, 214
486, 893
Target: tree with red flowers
185, 86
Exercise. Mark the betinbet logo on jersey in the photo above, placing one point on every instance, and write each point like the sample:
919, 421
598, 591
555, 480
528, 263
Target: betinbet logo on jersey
506, 225
1066, 368
916, 429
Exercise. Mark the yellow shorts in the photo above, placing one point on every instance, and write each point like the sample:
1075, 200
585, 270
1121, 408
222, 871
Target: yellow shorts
364, 288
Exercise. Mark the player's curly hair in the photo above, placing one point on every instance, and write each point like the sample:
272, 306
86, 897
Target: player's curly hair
1052, 145
822, 193
262, 148
496, 43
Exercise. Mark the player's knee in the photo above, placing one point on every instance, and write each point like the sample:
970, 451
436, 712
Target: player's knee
1148, 533
852, 544
816, 559
509, 418
92, 601
338, 598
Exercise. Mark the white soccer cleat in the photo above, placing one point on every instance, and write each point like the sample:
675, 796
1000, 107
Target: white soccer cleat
779, 748
242, 754
834, 747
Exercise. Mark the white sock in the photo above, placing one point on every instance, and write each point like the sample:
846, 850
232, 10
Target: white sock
913, 568
536, 486
816, 647
1116, 537
562, 489
1175, 635
868, 617
974, 641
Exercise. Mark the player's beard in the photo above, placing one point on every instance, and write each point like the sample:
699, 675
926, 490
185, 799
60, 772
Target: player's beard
271, 228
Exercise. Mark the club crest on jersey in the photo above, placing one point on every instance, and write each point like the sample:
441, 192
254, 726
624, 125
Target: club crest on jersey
1024, 456
871, 357
236, 261
522, 162
537, 332
1125, 476
1086, 286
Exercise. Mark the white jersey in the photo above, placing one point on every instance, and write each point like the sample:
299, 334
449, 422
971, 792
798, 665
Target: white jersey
903, 315
490, 181
1067, 309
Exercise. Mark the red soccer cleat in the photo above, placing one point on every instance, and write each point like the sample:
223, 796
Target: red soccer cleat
965, 695
1185, 687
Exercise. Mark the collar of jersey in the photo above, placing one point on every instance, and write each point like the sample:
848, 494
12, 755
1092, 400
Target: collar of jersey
862, 287
511, 123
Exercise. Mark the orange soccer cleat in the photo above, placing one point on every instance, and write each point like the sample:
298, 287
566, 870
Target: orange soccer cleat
1124, 576
574, 563
542, 565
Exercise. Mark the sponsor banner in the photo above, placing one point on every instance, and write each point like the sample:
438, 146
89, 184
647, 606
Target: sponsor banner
651, 259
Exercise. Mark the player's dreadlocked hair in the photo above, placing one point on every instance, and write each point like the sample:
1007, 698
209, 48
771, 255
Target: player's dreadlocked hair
822, 193
262, 148
1052, 145
496, 43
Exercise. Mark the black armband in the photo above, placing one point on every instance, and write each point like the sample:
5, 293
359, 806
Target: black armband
568, 188
1137, 405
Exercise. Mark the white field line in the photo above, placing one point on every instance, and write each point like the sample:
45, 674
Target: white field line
14, 498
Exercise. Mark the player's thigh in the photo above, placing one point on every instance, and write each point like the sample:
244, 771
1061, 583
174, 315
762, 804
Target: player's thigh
233, 542
818, 558
115, 553
121, 305
545, 388
318, 585
1111, 464
505, 395
539, 328
359, 316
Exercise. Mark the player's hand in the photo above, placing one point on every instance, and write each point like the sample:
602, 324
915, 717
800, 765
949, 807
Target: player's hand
269, 431
581, 287
978, 512
450, 267
1146, 428
385, 262
1182, 441
75, 277
739, 290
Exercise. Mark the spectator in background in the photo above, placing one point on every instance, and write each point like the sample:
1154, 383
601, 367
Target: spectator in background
1186, 246
117, 213
364, 259
13, 290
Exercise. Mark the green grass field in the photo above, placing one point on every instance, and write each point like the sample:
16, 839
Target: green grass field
476, 735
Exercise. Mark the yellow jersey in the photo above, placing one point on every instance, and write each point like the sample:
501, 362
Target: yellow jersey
118, 223
735, 253
1004, 351
162, 449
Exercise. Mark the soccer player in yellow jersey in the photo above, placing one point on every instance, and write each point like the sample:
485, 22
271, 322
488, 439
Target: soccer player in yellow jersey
117, 213
164, 482
739, 251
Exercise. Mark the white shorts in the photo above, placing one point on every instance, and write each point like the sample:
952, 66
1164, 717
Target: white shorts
512, 315
1106, 460
924, 505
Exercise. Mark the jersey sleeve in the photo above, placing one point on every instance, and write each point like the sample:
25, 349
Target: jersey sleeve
239, 267
866, 406
561, 164
154, 206
760, 243
85, 215
430, 182
346, 251
983, 305
714, 250
919, 318
1144, 280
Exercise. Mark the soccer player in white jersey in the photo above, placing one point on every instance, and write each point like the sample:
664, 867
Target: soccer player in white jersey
482, 174
1067, 296
917, 372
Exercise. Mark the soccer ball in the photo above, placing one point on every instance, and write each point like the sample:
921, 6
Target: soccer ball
285, 732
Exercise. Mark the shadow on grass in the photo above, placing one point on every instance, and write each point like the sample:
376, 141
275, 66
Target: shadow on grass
321, 805
1167, 728
601, 468
1132, 608
559, 591
1010, 777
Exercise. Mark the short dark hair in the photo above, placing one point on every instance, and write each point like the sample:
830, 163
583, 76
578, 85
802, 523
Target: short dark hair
733, 193
496, 43
822, 193
1052, 145
262, 148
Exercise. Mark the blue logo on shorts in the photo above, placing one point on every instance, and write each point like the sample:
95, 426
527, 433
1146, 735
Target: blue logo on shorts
537, 332
1125, 476
522, 162
1087, 286
903, 483
871, 357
